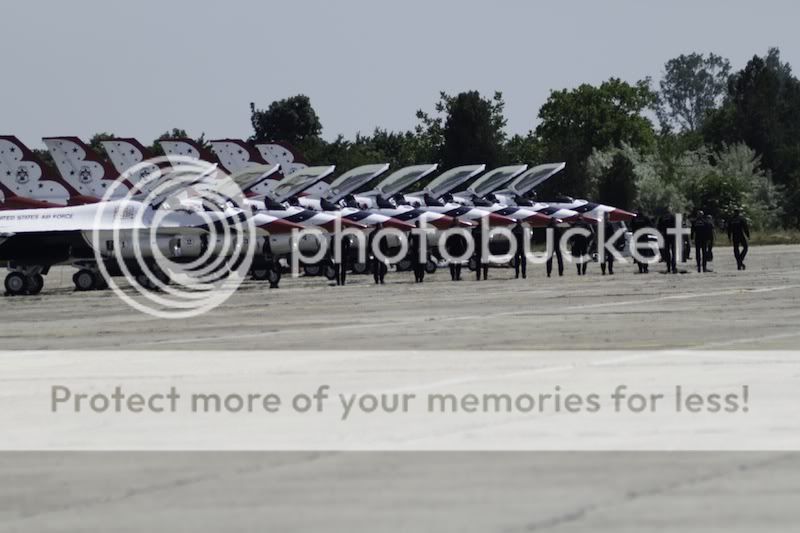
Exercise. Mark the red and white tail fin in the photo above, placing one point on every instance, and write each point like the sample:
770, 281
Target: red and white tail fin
81, 168
23, 180
236, 155
284, 155
241, 158
190, 148
126, 153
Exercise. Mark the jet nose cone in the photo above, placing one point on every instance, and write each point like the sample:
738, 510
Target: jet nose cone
619, 215
500, 220
538, 220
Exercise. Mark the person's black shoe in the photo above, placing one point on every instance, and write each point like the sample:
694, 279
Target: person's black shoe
744, 267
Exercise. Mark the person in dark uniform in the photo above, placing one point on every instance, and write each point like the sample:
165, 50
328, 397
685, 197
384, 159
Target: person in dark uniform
378, 266
340, 268
709, 226
641, 221
580, 248
418, 259
668, 253
701, 233
520, 261
477, 238
605, 257
456, 246
739, 234
552, 228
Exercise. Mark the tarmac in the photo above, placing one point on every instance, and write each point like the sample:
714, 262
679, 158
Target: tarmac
756, 309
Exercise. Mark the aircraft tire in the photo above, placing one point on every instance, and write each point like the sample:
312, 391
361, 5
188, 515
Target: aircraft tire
85, 280
472, 264
430, 267
312, 270
260, 274
330, 272
404, 265
34, 284
274, 277
15, 284
360, 268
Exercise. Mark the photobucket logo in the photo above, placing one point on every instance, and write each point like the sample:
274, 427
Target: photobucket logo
179, 231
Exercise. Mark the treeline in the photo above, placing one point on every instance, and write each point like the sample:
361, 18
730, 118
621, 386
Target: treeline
703, 137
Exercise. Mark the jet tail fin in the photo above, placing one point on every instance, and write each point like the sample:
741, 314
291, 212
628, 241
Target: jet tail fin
24, 179
80, 167
192, 149
283, 154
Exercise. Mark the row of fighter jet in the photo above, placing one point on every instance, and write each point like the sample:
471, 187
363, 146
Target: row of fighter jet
46, 220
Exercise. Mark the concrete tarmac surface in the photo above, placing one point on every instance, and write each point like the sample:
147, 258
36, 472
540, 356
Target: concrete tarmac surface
414, 491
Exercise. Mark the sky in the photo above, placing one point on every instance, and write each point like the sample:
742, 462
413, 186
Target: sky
139, 68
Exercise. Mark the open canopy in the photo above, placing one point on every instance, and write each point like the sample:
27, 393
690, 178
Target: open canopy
400, 180
494, 179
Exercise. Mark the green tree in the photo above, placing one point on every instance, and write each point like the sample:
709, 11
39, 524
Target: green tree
95, 144
291, 120
692, 86
466, 129
762, 109
575, 122
617, 185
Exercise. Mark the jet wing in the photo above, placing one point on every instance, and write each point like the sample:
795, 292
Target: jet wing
352, 180
400, 180
534, 177
451, 179
299, 181
494, 179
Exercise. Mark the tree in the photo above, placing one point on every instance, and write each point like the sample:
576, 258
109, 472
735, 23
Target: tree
575, 122
762, 108
692, 86
291, 120
468, 129
96, 144
177, 133
617, 185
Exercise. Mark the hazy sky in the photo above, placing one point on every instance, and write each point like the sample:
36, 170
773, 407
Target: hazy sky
137, 68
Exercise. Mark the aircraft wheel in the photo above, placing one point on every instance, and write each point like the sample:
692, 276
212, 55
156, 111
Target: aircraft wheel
312, 270
102, 283
404, 265
34, 284
330, 272
15, 284
430, 267
472, 264
360, 268
260, 274
85, 280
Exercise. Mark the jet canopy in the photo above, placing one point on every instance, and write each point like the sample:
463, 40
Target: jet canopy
494, 179
535, 176
352, 180
451, 179
299, 181
400, 180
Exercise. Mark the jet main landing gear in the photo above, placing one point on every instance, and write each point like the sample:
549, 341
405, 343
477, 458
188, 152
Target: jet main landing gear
18, 283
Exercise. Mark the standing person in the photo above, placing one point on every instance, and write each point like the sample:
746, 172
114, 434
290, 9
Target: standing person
477, 238
555, 235
580, 248
739, 234
699, 235
418, 257
709, 227
520, 261
456, 246
665, 224
340, 267
641, 222
606, 258
378, 265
